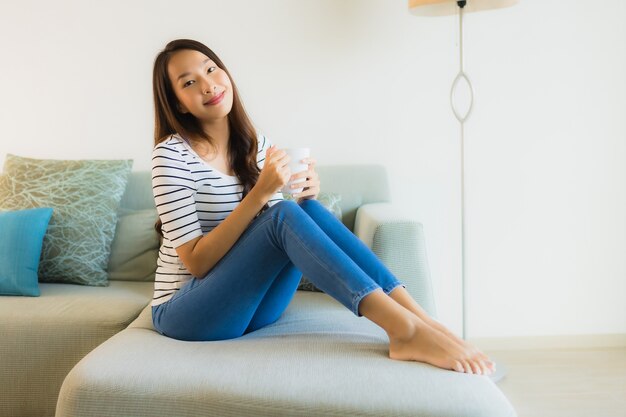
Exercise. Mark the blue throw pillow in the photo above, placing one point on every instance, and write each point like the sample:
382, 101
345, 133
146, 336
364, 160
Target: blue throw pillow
22, 234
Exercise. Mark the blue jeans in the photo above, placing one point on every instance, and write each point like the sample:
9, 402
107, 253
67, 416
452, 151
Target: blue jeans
253, 283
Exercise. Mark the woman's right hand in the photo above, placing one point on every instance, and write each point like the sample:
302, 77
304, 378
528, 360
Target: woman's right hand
275, 173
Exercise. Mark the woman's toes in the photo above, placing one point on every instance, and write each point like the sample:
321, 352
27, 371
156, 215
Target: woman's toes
467, 367
458, 366
484, 368
476, 367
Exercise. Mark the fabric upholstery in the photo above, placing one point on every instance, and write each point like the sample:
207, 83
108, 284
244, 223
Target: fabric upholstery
398, 241
135, 247
85, 196
318, 359
137, 196
42, 338
356, 184
22, 234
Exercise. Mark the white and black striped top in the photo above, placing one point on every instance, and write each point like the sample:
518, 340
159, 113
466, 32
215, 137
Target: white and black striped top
192, 198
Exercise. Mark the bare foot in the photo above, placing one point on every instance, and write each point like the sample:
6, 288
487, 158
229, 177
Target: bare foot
432, 346
472, 351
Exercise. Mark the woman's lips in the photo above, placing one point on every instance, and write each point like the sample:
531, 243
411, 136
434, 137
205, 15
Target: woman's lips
215, 100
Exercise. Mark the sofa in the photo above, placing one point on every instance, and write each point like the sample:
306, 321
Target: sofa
92, 351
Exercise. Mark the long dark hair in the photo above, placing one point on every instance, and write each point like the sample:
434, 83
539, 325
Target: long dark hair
242, 144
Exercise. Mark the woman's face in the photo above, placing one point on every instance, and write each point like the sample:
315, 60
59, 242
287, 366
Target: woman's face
202, 88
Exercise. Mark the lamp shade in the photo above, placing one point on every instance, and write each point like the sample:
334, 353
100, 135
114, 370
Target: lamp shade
449, 7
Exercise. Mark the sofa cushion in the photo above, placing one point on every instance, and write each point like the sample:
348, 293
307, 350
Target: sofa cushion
85, 195
22, 234
317, 359
135, 247
44, 337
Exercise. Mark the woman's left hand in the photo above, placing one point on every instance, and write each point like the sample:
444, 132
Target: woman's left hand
311, 185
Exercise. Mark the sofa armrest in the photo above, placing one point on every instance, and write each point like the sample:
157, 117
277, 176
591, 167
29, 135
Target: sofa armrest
399, 243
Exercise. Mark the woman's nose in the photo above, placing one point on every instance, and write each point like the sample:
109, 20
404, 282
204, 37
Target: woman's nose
208, 87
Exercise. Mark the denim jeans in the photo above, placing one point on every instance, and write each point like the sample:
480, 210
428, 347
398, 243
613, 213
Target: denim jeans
253, 283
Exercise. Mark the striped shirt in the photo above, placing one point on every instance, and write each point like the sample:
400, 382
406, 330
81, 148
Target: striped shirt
192, 198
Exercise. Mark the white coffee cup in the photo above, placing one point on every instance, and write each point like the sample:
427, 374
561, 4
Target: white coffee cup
296, 165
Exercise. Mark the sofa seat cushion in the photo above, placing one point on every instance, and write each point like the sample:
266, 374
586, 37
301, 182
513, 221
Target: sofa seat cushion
44, 337
317, 359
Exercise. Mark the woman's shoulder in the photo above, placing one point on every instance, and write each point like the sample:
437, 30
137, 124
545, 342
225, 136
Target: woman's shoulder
173, 142
170, 148
170, 140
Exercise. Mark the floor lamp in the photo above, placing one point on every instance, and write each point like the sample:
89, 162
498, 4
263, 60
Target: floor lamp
451, 7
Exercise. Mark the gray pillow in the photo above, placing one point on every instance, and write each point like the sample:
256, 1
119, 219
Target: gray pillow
135, 247
85, 196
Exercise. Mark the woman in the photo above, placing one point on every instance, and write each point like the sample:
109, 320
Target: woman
233, 250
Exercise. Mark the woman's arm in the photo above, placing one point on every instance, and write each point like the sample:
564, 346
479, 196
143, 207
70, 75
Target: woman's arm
201, 254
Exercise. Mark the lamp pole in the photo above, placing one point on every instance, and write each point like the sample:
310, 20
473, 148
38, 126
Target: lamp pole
446, 8
462, 117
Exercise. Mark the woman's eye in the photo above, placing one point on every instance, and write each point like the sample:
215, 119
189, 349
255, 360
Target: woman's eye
188, 83
211, 69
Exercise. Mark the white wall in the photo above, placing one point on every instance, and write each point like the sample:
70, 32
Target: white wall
364, 81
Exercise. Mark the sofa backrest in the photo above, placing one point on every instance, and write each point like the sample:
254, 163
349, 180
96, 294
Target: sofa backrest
138, 194
356, 184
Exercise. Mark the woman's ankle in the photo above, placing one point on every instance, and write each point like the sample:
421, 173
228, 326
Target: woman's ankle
403, 332
398, 322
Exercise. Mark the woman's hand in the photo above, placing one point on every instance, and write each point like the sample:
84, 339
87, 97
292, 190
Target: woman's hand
275, 173
311, 185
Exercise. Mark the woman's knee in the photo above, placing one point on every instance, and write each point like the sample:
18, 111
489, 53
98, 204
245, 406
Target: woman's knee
309, 204
286, 207
292, 205
289, 213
